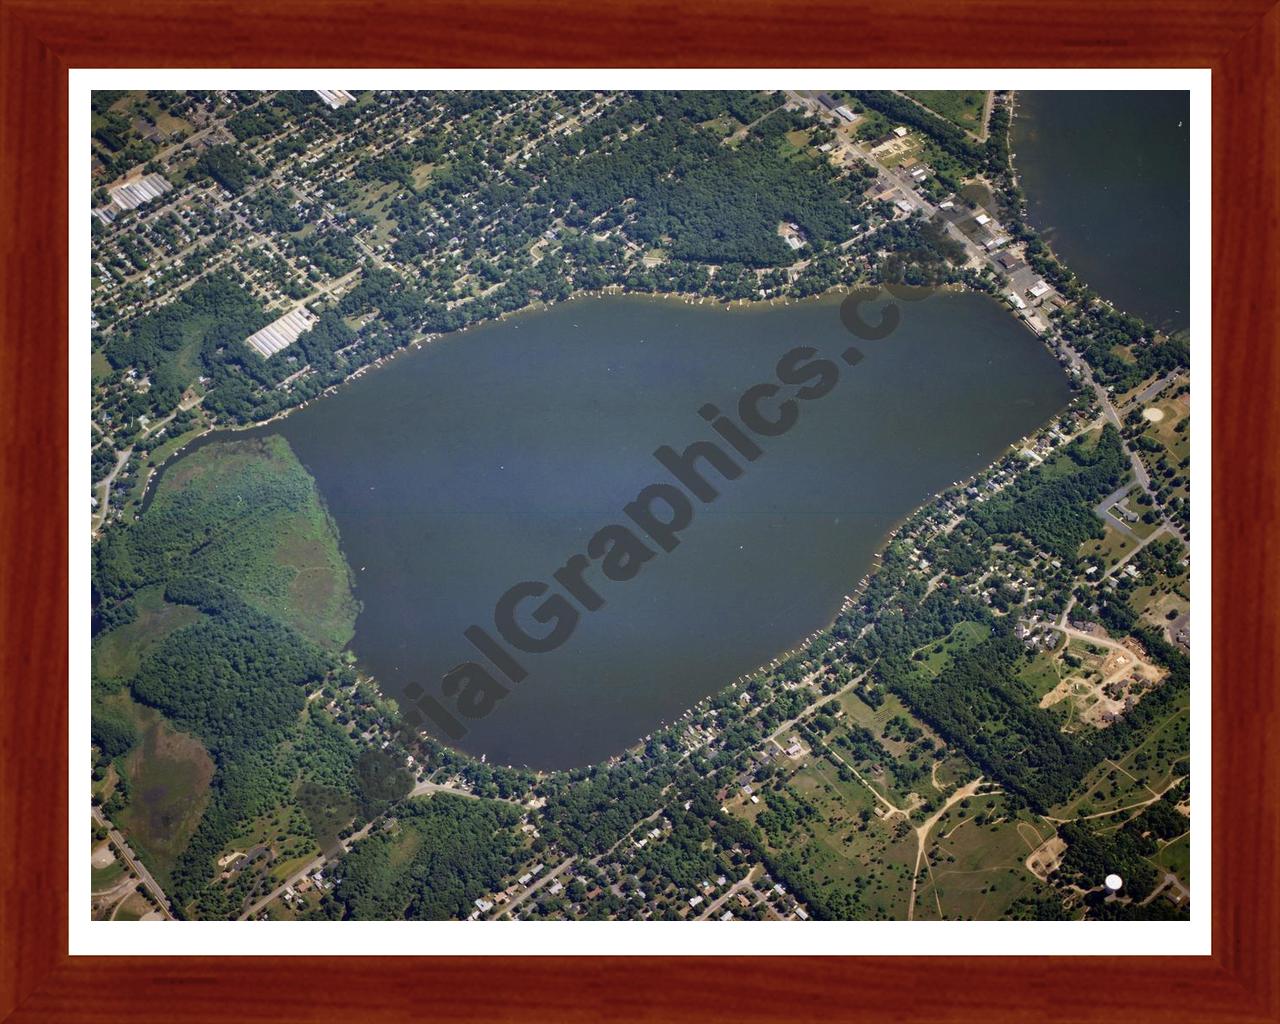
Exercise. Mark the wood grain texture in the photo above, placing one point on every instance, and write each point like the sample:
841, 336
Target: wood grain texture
39, 41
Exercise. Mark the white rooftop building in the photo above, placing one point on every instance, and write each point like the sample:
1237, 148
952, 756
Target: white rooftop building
133, 194
335, 98
281, 333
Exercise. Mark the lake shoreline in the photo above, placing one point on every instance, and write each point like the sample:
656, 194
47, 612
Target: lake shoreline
929, 325
1093, 218
682, 298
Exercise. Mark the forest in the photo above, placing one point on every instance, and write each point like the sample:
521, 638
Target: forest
228, 167
238, 680
706, 201
204, 331
237, 677
166, 344
442, 853
590, 810
1055, 512
979, 704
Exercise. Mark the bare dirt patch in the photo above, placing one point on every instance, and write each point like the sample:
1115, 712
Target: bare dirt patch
1046, 857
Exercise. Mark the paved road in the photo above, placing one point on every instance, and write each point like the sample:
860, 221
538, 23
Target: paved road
1151, 390
104, 499
139, 869
1154, 535
533, 887
302, 873
420, 789
745, 882
1103, 510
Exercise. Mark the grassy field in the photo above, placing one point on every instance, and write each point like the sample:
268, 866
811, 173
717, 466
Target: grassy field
286, 831
976, 861
1172, 412
1111, 548
837, 851
795, 145
1042, 673
273, 541
962, 108
964, 637
102, 879
132, 908
1147, 768
117, 654
1175, 856
329, 811
977, 192
1154, 601
722, 126
422, 175
169, 774
894, 772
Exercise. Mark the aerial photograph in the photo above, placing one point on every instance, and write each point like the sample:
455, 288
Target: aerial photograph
534, 505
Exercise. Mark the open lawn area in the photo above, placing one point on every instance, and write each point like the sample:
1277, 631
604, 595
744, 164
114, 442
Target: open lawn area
977, 858
1113, 546
1042, 673
1146, 769
933, 658
106, 870
422, 175
843, 851
1175, 856
118, 654
962, 108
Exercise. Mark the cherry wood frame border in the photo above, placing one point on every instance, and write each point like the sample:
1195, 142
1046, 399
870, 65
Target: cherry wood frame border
41, 39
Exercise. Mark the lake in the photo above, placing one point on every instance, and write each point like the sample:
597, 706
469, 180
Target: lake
1107, 180
490, 457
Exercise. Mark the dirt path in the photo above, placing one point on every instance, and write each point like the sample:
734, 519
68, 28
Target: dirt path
892, 808
1101, 641
1118, 810
922, 838
986, 115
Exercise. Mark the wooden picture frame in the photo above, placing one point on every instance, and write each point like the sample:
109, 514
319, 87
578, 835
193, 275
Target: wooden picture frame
40, 40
